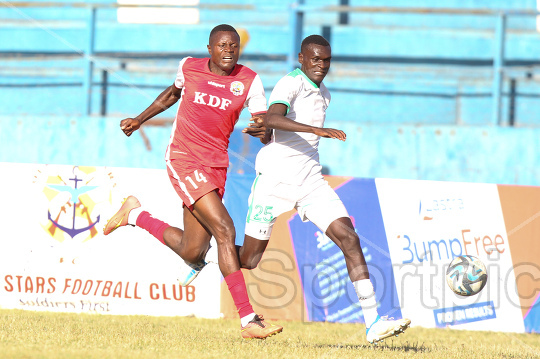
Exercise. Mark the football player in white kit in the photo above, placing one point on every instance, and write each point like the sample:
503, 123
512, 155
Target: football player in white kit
289, 176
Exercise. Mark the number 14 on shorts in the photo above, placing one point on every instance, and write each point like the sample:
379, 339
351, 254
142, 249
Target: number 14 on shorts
199, 177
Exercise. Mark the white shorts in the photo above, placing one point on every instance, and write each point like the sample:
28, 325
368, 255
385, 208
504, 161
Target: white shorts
316, 202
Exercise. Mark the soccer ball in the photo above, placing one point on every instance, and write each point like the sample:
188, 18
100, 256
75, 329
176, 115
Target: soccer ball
466, 275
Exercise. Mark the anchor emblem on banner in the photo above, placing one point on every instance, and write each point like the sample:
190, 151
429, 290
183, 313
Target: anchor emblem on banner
75, 197
75, 194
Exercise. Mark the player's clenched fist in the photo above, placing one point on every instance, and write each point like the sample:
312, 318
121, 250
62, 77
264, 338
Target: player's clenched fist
129, 125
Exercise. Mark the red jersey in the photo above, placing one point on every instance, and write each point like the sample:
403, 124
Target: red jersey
209, 108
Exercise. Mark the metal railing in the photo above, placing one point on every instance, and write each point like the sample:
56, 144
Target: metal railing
297, 11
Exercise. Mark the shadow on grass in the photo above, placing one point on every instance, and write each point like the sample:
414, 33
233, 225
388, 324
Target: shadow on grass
404, 347
401, 347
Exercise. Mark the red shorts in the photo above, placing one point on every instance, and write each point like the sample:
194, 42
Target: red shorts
191, 180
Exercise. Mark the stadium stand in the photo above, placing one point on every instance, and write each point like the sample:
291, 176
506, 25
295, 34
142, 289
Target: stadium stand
412, 89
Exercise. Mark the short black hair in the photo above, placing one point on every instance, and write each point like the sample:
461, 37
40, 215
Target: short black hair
222, 27
315, 40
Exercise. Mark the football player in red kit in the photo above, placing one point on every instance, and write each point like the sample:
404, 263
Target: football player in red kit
212, 93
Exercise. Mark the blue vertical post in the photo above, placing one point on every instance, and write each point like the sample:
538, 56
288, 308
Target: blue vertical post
89, 62
296, 24
498, 70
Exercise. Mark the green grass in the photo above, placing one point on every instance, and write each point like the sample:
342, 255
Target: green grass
25, 334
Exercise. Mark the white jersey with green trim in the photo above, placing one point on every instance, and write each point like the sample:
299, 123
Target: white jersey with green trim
291, 157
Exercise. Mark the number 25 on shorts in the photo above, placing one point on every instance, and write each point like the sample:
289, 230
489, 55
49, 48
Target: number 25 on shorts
263, 214
199, 177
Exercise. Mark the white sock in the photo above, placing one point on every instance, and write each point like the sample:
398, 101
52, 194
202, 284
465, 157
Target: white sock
133, 215
245, 320
368, 301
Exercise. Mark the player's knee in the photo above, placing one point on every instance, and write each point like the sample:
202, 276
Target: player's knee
224, 232
193, 258
248, 265
194, 255
250, 262
173, 238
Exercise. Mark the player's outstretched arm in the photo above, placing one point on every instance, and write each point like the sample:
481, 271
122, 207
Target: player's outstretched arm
275, 118
166, 99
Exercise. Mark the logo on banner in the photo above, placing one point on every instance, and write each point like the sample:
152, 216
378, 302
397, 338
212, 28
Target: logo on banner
431, 208
464, 314
74, 196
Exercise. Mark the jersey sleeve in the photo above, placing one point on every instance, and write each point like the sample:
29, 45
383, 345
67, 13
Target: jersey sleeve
284, 92
256, 99
179, 81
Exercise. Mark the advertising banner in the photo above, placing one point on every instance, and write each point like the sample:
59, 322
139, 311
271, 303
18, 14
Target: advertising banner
429, 223
328, 291
54, 256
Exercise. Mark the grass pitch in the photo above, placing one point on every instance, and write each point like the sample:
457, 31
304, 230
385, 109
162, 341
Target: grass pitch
26, 334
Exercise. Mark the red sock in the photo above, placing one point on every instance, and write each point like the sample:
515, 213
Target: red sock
237, 287
152, 225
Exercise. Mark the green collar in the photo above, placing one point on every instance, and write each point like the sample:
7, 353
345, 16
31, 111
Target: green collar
297, 72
